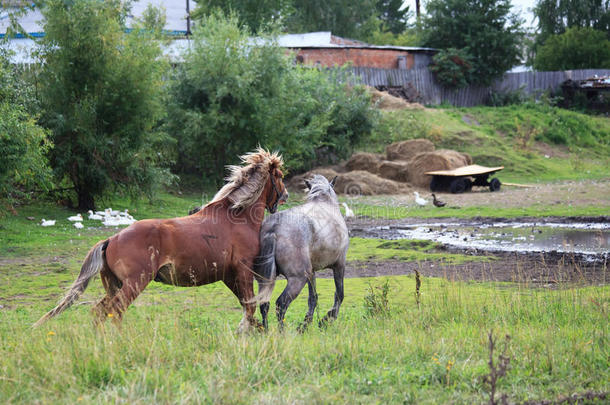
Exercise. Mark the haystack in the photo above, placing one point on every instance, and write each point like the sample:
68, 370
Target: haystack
297, 183
387, 102
406, 150
396, 170
364, 161
436, 160
360, 182
357, 182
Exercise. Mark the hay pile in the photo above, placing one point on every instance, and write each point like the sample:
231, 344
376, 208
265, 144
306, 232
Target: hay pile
370, 174
387, 102
363, 161
356, 182
407, 150
436, 160
398, 171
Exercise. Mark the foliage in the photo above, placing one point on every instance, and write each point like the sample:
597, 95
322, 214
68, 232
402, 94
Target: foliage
153, 19
484, 29
453, 68
507, 97
229, 96
577, 48
345, 18
23, 144
556, 16
100, 91
409, 37
393, 16
256, 15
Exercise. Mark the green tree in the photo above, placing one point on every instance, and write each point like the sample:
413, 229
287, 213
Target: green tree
577, 48
255, 14
484, 29
101, 93
556, 16
345, 18
23, 143
230, 95
393, 16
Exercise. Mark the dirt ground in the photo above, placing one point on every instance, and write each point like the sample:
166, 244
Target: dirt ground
583, 193
537, 270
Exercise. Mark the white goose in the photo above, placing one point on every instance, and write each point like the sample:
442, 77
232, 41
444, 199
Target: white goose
110, 220
78, 225
49, 222
75, 218
420, 201
95, 216
348, 212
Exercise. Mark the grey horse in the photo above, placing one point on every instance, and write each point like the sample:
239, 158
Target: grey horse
296, 243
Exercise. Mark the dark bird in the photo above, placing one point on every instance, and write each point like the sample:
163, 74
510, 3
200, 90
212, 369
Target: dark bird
437, 203
194, 210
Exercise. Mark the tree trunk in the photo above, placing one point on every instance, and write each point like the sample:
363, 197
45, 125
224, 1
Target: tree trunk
417, 9
85, 199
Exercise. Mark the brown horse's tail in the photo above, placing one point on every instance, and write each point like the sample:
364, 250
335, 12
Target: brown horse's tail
265, 269
91, 266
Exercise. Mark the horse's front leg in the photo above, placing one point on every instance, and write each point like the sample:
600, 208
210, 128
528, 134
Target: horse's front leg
338, 272
242, 285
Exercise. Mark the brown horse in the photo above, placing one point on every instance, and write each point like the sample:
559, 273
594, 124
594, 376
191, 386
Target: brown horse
220, 242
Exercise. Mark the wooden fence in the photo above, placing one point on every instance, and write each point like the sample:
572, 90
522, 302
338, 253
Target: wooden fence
430, 92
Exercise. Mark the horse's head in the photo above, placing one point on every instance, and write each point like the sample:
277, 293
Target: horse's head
277, 193
319, 188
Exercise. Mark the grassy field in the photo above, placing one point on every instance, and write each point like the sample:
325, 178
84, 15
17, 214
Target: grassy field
179, 345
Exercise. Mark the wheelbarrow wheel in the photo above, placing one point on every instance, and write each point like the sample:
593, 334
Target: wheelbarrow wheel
494, 184
458, 186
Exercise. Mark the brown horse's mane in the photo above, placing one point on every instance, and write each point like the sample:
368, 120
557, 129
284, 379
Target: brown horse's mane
245, 183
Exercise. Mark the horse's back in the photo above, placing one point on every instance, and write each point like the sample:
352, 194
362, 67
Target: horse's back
312, 231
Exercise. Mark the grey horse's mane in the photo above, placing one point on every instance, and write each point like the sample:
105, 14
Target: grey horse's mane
245, 183
320, 189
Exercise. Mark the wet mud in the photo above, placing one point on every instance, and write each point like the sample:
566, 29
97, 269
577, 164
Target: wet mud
542, 266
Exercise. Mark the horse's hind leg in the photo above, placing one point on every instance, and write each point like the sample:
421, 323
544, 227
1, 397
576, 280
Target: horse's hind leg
312, 302
338, 272
130, 289
112, 285
293, 288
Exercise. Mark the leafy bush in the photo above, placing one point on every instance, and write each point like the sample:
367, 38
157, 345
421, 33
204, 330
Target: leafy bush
453, 68
101, 94
23, 144
577, 48
503, 98
231, 94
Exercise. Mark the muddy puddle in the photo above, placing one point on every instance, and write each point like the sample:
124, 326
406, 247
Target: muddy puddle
591, 241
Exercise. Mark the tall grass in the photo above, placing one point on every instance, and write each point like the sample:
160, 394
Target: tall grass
180, 345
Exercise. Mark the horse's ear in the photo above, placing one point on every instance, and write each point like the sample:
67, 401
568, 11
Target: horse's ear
332, 182
308, 184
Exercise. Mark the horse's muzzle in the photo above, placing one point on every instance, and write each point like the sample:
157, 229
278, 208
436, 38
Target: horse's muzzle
284, 197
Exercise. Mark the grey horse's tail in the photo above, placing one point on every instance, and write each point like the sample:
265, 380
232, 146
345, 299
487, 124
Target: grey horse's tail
265, 269
91, 266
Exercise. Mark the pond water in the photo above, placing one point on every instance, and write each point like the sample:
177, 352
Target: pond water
583, 238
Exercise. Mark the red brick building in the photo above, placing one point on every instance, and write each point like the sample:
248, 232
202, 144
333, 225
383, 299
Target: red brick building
327, 50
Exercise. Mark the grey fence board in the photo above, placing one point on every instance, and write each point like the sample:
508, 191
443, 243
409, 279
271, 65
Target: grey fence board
530, 83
